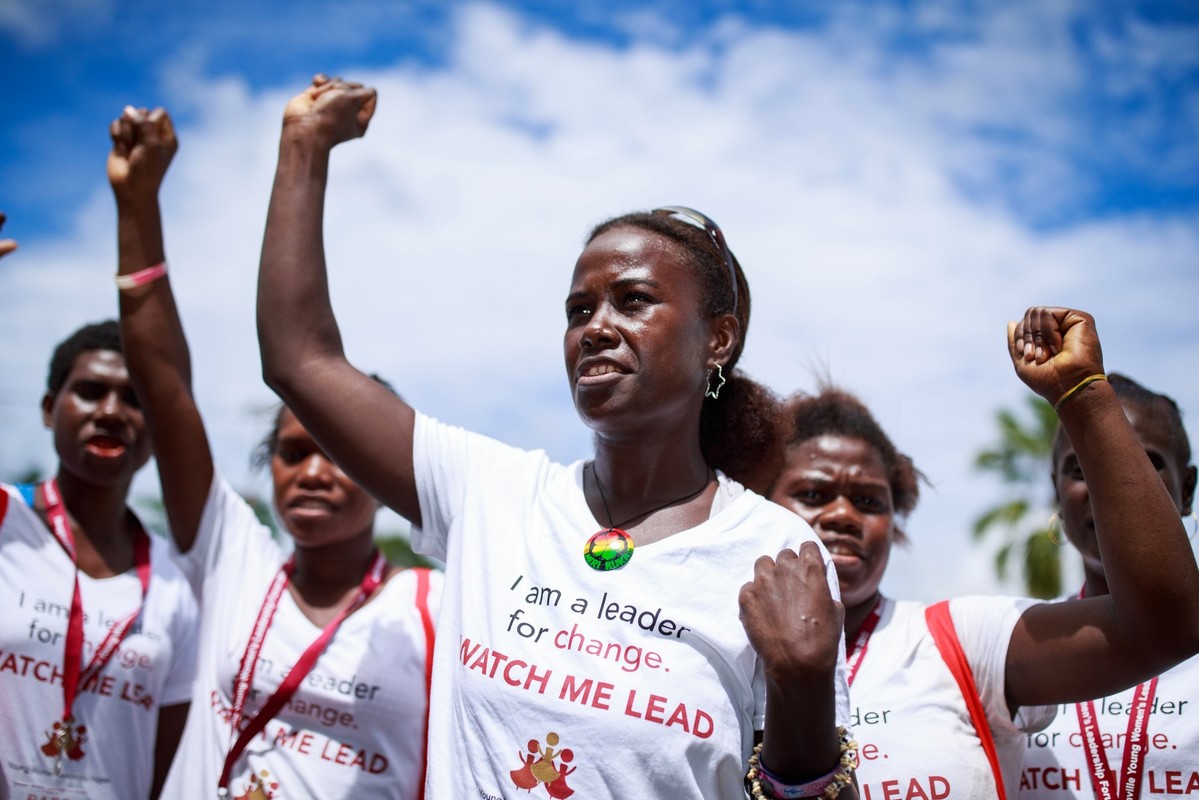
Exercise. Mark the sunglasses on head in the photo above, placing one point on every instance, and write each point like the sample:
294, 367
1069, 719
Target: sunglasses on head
703, 221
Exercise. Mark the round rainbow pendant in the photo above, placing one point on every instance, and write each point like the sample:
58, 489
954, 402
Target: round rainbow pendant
609, 549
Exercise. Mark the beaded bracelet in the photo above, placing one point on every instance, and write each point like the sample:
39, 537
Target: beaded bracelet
764, 785
142, 277
1087, 381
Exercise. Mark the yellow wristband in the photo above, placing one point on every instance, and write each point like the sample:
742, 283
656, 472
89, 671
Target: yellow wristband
1098, 376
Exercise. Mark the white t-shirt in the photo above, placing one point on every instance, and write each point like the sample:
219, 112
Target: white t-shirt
555, 679
152, 668
913, 728
1055, 766
354, 727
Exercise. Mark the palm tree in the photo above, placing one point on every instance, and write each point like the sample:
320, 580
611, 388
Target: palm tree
31, 474
399, 551
1021, 459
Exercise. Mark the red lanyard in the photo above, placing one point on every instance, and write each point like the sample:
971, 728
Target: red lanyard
857, 652
1106, 784
249, 659
74, 673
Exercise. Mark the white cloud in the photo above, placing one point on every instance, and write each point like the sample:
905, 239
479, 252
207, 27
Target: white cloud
37, 23
835, 170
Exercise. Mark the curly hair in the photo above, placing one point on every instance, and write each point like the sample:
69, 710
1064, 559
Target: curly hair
104, 335
835, 412
740, 432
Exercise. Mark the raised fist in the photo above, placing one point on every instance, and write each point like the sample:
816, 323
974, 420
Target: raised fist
331, 111
143, 144
1053, 349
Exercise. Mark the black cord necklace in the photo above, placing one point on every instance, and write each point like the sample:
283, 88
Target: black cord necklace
612, 547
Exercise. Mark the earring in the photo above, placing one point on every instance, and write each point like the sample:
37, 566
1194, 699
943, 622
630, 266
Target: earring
709, 391
1194, 524
1053, 529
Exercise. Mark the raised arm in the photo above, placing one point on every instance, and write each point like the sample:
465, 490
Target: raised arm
365, 428
143, 144
1064, 652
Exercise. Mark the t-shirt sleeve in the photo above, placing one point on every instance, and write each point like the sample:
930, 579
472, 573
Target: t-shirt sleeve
984, 626
227, 525
184, 648
445, 460
175, 604
436, 448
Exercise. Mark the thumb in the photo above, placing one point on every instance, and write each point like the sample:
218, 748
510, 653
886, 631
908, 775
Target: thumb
1012, 346
367, 110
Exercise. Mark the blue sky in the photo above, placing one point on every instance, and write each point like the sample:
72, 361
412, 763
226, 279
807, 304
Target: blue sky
898, 178
1134, 103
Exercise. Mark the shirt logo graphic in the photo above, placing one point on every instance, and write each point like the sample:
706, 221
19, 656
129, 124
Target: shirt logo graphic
539, 768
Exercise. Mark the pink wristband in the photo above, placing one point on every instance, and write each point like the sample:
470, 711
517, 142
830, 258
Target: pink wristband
142, 277
776, 788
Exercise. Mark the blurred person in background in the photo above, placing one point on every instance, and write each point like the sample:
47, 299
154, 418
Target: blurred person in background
1144, 740
935, 689
98, 634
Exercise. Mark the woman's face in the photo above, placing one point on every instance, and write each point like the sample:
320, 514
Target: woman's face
839, 485
99, 429
1075, 503
317, 502
637, 346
